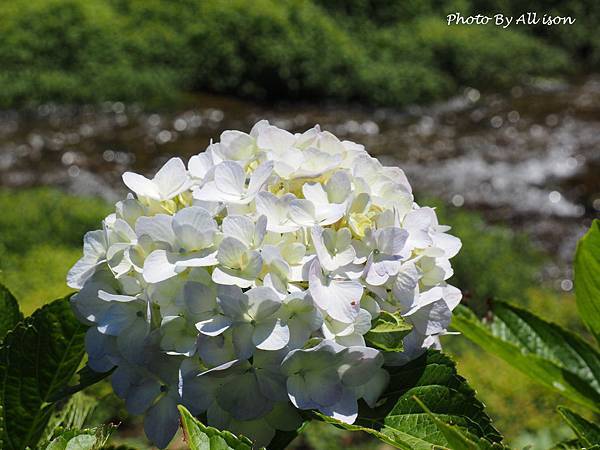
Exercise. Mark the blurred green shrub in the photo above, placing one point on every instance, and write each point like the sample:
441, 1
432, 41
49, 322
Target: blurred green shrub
371, 51
494, 262
41, 232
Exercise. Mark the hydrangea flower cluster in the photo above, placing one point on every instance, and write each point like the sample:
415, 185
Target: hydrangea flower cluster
244, 285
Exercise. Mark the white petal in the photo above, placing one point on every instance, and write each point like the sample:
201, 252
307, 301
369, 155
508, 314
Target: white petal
203, 258
259, 177
271, 335
172, 179
340, 298
158, 227
240, 227
194, 227
214, 326
117, 318
236, 145
230, 178
346, 409
298, 394
452, 296
431, 319
391, 240
263, 302
200, 165
142, 186
231, 277
94, 253
330, 213
404, 287
315, 193
450, 244
109, 297
231, 252
302, 212
276, 211
273, 138
161, 265
232, 301
338, 187
316, 163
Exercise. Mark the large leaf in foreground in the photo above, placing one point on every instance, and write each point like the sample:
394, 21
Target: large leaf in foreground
200, 437
400, 421
459, 439
10, 315
587, 278
37, 359
587, 432
546, 352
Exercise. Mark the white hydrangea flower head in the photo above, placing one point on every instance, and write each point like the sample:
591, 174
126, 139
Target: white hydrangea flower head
244, 285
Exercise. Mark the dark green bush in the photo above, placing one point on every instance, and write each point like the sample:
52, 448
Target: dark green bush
487, 56
370, 51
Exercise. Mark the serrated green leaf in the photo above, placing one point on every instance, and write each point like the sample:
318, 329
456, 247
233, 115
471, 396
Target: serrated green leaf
542, 350
37, 360
587, 432
200, 437
387, 438
402, 423
457, 438
10, 314
587, 278
388, 331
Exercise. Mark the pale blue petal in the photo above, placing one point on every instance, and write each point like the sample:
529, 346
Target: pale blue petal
162, 422
241, 398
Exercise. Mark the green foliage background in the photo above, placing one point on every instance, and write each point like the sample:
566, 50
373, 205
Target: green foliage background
371, 51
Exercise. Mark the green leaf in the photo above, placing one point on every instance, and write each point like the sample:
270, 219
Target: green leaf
87, 439
10, 315
402, 423
388, 331
587, 278
37, 360
200, 437
587, 432
542, 350
458, 439
573, 444
86, 378
397, 443
70, 414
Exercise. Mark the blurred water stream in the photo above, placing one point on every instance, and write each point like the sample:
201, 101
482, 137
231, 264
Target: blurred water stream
529, 158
